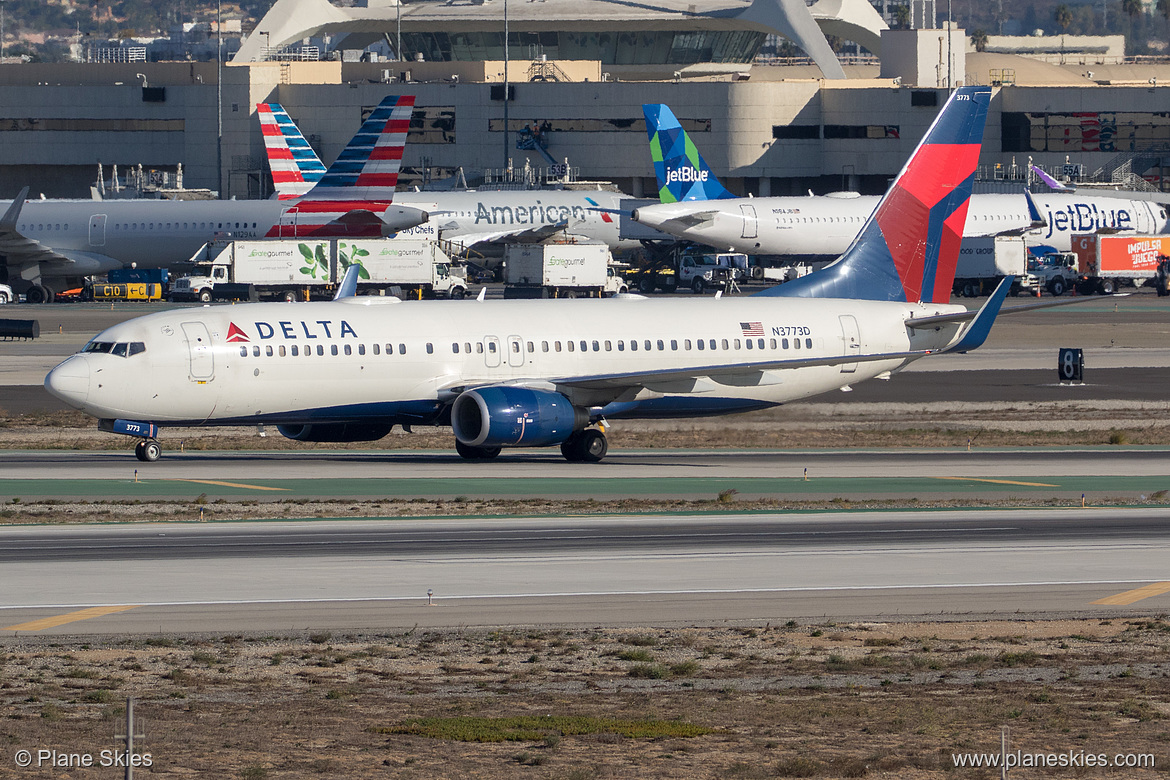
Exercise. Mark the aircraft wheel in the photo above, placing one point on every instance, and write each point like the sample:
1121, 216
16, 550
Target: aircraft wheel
592, 445
467, 452
39, 294
148, 451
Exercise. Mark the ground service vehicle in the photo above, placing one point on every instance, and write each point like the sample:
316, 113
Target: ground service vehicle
985, 260
294, 270
560, 270
1162, 277
1107, 262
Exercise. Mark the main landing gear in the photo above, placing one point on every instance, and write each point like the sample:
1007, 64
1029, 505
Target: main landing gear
148, 450
467, 452
587, 446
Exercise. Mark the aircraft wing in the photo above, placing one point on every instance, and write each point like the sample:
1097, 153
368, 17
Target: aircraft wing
533, 235
19, 250
690, 221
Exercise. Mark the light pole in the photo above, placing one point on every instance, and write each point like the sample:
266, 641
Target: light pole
398, 23
2, 3
219, 96
505, 84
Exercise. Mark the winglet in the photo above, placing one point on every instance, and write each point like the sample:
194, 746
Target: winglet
1052, 183
482, 294
682, 173
977, 332
1034, 212
348, 286
8, 221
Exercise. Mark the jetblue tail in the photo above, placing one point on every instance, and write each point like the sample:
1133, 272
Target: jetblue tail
367, 169
908, 248
295, 166
682, 173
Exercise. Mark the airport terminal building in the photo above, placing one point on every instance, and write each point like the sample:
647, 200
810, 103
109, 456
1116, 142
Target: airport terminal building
767, 128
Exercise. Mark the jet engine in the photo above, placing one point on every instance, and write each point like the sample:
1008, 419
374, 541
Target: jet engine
335, 432
514, 417
396, 218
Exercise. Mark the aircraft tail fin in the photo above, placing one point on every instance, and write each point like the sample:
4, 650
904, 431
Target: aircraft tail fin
909, 246
367, 169
295, 166
682, 172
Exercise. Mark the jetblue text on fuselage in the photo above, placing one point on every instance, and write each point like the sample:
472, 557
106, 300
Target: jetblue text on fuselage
685, 175
1086, 218
305, 330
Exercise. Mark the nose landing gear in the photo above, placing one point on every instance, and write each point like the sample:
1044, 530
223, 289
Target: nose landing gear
148, 450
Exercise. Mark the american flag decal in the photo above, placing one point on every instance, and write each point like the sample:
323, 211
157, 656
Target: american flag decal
752, 328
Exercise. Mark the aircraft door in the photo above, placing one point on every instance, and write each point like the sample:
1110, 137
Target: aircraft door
851, 336
750, 222
199, 350
491, 351
515, 351
97, 230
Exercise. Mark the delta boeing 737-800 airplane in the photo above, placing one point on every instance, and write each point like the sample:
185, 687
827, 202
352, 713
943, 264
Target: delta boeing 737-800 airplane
43, 241
536, 373
695, 206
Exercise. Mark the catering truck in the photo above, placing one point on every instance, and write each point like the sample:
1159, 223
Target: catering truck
298, 270
985, 260
560, 270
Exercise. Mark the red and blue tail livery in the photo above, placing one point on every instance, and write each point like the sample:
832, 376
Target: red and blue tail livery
295, 166
908, 249
367, 169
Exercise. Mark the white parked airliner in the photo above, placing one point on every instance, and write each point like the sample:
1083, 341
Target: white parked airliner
542, 373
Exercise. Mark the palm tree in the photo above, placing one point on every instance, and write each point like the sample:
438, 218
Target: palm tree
901, 17
1063, 17
1163, 7
979, 37
1131, 8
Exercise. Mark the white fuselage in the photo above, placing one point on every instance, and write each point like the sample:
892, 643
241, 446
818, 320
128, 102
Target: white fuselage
98, 236
826, 225
364, 359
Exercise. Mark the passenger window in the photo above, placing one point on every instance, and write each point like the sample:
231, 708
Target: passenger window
348, 349
569, 344
361, 349
255, 351
784, 343
737, 344
647, 345
584, 346
608, 345
455, 347
687, 344
633, 345
282, 350
467, 347
621, 346
796, 343
243, 352
389, 349
661, 345
699, 344
430, 348
492, 347
531, 348
401, 349
516, 347
725, 344
596, 346
296, 350
377, 349
748, 343
332, 349
760, 343
557, 346
674, 344
320, 350
772, 343
712, 343
479, 347
544, 346
808, 343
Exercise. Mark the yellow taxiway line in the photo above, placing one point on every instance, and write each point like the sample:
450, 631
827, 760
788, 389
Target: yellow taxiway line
228, 484
1137, 594
999, 481
69, 617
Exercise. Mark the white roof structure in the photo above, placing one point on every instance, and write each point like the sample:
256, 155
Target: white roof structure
613, 31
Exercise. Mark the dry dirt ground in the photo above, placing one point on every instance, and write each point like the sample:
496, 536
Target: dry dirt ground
879, 700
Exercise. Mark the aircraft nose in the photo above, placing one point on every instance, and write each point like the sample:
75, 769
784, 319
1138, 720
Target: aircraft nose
70, 381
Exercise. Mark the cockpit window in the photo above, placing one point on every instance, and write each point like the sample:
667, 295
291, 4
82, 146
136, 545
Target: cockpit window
121, 348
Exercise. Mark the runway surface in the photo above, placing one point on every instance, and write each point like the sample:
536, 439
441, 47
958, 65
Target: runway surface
1100, 472
581, 570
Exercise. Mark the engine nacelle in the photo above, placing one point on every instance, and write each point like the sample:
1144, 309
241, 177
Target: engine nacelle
514, 417
335, 432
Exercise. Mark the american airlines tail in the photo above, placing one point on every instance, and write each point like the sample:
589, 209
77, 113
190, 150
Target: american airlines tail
908, 248
295, 166
353, 198
682, 173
